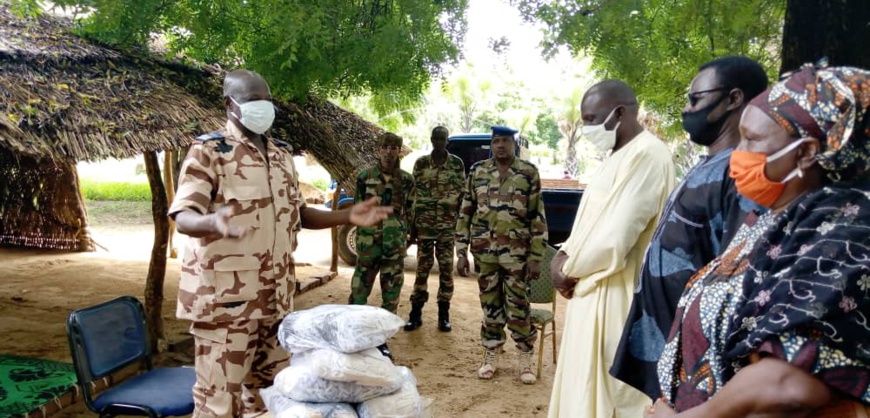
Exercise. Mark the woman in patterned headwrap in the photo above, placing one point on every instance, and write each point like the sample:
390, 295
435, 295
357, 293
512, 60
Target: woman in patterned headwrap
779, 324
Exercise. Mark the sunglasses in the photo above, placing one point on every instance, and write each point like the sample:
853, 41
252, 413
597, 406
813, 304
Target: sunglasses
696, 96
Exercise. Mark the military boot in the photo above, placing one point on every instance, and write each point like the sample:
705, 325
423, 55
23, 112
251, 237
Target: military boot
415, 319
526, 364
490, 364
444, 317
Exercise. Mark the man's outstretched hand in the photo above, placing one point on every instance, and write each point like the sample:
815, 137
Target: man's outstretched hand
369, 213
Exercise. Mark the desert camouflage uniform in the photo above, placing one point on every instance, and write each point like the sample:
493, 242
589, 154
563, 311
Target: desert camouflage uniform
382, 247
236, 290
436, 205
504, 222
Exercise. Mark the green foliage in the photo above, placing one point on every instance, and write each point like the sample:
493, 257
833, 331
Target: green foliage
321, 183
118, 191
333, 48
546, 132
656, 46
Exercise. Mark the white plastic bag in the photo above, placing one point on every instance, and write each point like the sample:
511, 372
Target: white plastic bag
281, 406
368, 367
301, 384
405, 403
344, 328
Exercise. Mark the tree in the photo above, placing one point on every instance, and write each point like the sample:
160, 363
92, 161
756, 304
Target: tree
547, 131
331, 48
569, 125
836, 29
656, 46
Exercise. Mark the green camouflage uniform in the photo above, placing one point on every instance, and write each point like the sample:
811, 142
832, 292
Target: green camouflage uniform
383, 246
436, 205
236, 290
504, 222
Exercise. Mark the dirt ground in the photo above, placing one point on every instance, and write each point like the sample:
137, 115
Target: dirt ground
39, 288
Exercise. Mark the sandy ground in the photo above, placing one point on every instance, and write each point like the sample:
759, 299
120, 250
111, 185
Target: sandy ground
39, 288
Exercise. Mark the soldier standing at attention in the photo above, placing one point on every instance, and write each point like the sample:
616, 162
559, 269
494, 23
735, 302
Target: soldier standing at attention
502, 218
239, 201
439, 179
383, 247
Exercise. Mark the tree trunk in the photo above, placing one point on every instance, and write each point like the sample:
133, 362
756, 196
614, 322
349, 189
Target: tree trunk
836, 29
157, 268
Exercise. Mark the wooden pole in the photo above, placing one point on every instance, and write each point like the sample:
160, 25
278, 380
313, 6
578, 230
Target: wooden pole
333, 267
85, 243
157, 267
169, 182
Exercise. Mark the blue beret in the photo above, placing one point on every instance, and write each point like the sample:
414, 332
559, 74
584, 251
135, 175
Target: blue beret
503, 131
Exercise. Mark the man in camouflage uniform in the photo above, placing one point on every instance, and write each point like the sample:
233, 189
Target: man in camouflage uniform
238, 199
383, 247
502, 218
439, 179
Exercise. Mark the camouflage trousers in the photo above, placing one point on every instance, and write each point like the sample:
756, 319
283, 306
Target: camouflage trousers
442, 247
504, 291
233, 360
392, 278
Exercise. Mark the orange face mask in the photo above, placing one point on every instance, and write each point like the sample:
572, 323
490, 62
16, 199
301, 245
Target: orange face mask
747, 170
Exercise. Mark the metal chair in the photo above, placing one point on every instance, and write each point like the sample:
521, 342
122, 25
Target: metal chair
541, 291
111, 336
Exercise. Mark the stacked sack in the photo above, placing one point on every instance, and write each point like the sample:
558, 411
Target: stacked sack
335, 369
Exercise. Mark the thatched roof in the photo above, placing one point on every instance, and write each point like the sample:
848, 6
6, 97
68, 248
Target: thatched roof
63, 97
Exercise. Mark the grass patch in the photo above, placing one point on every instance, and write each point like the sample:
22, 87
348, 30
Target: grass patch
119, 212
115, 191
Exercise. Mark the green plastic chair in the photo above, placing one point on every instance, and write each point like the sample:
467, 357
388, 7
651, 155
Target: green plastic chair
541, 291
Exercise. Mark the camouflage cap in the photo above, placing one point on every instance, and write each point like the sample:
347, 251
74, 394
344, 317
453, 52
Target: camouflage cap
389, 138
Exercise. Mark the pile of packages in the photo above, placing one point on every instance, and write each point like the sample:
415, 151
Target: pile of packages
336, 370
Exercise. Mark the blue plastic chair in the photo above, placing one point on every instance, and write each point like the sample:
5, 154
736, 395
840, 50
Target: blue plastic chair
111, 336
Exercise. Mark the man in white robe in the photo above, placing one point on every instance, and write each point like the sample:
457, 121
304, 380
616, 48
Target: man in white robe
598, 266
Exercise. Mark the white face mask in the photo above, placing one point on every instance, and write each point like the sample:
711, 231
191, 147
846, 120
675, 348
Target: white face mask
599, 136
257, 115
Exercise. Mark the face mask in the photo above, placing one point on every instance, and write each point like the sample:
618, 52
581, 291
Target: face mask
747, 170
701, 131
257, 115
599, 136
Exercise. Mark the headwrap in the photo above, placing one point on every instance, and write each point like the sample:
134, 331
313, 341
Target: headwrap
829, 104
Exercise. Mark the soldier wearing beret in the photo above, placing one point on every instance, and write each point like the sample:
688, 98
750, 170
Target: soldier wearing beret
502, 219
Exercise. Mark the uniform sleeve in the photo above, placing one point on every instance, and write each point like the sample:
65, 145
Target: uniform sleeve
538, 218
410, 192
416, 176
637, 197
197, 182
463, 222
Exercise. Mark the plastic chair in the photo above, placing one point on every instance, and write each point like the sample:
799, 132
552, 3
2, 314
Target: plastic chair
541, 291
111, 336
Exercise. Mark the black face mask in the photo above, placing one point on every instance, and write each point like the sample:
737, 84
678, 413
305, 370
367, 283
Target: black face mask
700, 130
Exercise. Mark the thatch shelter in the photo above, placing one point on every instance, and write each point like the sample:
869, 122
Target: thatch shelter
64, 99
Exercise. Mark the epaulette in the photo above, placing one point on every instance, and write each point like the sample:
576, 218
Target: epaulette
281, 144
222, 146
210, 136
